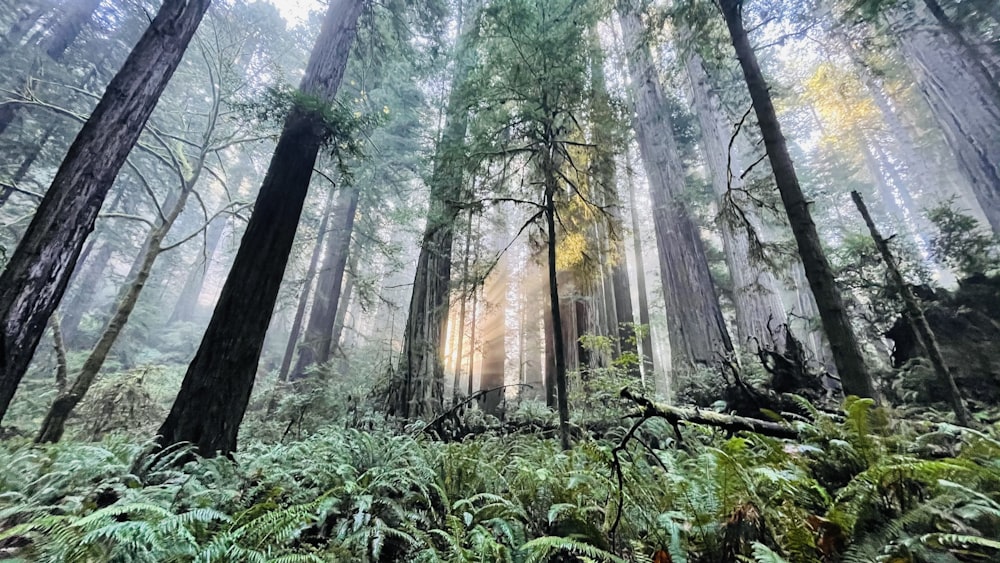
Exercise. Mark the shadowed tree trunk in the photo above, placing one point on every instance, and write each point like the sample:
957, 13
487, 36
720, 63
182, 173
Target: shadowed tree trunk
421, 391
216, 388
558, 345
35, 279
760, 313
846, 350
697, 329
307, 282
316, 344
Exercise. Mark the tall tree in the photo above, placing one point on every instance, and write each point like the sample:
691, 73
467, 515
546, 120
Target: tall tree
216, 388
421, 391
697, 329
36, 276
846, 351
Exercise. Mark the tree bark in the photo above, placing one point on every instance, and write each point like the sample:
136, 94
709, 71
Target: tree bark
420, 393
697, 329
646, 341
307, 282
316, 344
846, 350
760, 313
36, 276
924, 334
464, 298
966, 106
54, 423
216, 388
559, 352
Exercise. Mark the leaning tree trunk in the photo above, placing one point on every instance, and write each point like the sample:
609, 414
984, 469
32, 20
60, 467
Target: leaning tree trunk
55, 421
39, 269
846, 350
300, 309
317, 342
760, 313
216, 388
697, 329
420, 393
965, 105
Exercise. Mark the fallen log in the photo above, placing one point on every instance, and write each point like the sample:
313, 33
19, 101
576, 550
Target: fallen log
731, 423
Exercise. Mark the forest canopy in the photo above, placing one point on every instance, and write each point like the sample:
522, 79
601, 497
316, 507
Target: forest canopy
500, 280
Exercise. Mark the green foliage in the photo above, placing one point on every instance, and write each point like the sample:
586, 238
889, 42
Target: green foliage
961, 242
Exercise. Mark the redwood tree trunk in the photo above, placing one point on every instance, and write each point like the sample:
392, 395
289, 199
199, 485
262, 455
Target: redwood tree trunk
646, 340
300, 309
494, 338
216, 388
35, 279
697, 329
316, 344
760, 313
846, 350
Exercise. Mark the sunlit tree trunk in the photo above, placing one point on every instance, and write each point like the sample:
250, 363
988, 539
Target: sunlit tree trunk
698, 334
36, 276
216, 388
646, 341
846, 349
494, 337
463, 300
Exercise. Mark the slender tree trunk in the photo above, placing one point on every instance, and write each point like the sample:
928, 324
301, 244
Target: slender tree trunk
559, 353
463, 297
29, 160
494, 337
347, 297
646, 341
697, 329
420, 393
550, 358
36, 276
54, 423
186, 307
307, 282
846, 350
965, 104
925, 336
216, 388
760, 313
316, 343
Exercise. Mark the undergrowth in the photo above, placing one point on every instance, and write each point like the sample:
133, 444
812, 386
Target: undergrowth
856, 487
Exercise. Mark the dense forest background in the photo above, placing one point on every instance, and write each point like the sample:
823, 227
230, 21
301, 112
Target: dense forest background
500, 280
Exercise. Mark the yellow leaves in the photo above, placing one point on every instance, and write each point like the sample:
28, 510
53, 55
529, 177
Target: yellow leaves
570, 251
842, 104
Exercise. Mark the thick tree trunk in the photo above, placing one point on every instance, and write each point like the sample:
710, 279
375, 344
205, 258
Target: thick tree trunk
216, 388
35, 279
54, 423
494, 338
966, 106
697, 329
316, 343
307, 282
760, 313
646, 341
846, 350
420, 393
